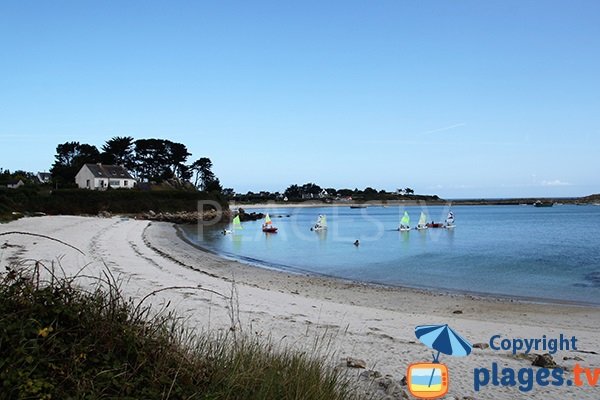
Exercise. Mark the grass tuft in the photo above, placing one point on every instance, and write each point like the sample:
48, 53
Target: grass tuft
58, 341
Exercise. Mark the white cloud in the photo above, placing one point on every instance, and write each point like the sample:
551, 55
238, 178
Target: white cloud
555, 182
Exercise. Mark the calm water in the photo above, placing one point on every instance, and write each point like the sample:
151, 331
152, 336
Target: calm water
547, 253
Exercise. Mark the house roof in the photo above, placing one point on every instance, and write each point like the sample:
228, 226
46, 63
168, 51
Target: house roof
44, 176
108, 171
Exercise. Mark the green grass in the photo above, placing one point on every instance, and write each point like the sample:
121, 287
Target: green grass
60, 342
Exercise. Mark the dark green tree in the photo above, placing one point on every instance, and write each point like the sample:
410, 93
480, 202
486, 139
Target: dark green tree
204, 177
69, 159
119, 151
293, 192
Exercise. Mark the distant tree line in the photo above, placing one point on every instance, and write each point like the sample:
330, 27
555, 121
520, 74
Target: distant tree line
148, 160
6, 176
311, 190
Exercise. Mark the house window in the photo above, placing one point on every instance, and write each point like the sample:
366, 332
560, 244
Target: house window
87, 183
101, 183
125, 183
113, 183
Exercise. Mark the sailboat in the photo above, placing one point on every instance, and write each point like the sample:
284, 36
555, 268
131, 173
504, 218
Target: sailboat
321, 224
236, 224
450, 220
268, 227
422, 221
404, 223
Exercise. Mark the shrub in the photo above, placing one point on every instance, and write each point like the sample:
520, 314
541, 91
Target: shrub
58, 342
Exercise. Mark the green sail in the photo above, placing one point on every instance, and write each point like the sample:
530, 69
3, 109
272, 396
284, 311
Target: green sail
405, 219
237, 224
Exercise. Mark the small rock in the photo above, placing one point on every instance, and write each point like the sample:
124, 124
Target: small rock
481, 346
370, 374
544, 361
403, 381
355, 363
457, 312
575, 358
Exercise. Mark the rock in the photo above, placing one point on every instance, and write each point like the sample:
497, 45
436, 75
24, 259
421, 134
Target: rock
151, 214
457, 312
104, 214
481, 346
370, 374
355, 363
575, 358
403, 381
544, 361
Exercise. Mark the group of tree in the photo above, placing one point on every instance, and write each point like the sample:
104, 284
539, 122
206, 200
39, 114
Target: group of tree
146, 159
311, 190
6, 176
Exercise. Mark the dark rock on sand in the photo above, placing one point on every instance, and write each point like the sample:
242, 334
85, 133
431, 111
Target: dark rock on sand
544, 361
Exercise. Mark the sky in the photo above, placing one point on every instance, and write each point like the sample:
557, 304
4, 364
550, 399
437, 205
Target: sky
455, 98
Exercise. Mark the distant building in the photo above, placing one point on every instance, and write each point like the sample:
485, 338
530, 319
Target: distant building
102, 177
43, 177
14, 184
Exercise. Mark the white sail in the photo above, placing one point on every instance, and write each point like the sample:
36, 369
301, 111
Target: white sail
450, 220
422, 221
321, 223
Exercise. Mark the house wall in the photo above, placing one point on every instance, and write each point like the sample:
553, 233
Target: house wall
85, 179
85, 175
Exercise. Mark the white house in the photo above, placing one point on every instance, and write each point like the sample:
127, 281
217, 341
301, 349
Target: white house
101, 177
43, 177
14, 184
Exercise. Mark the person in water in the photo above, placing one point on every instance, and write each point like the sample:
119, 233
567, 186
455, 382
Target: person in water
356, 243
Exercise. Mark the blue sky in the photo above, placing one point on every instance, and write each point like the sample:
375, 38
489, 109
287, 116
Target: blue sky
457, 98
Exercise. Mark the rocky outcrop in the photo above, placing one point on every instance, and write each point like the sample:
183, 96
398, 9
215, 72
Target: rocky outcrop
185, 217
253, 216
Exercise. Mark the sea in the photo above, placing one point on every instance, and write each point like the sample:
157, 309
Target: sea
546, 254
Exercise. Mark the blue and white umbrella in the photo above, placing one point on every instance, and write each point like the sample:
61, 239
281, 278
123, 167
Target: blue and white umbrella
443, 339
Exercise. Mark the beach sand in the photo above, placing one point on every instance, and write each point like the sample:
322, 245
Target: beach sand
367, 322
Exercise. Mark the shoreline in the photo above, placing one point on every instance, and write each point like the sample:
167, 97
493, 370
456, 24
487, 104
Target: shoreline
286, 269
372, 323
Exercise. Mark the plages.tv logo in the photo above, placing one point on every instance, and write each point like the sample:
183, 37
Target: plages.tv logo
430, 380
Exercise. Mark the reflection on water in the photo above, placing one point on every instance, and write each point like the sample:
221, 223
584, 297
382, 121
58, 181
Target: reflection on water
521, 251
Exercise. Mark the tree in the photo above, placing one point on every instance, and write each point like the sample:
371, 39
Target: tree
409, 191
119, 151
369, 191
177, 155
205, 179
311, 189
293, 192
69, 159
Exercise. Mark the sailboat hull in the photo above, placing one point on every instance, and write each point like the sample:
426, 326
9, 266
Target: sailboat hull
269, 230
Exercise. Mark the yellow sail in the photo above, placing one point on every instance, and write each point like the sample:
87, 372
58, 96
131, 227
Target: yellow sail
268, 220
237, 224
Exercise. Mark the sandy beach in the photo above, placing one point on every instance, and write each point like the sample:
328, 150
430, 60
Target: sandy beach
372, 323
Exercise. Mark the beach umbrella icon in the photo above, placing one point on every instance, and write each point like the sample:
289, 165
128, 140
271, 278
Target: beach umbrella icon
443, 339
